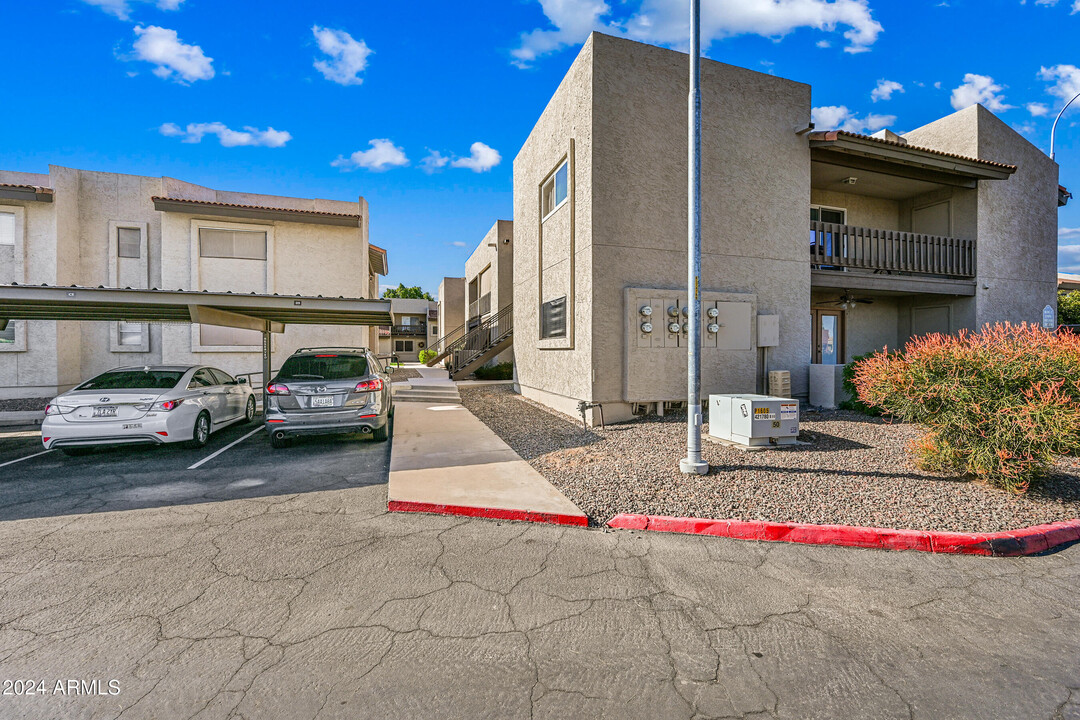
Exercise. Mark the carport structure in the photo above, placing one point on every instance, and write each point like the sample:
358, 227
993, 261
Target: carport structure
264, 313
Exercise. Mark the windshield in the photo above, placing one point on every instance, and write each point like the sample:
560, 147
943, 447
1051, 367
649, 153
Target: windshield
134, 380
323, 367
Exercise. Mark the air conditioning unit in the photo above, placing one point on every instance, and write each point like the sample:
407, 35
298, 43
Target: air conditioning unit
754, 420
780, 383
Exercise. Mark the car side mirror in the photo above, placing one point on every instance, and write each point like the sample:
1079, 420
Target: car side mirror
390, 369
243, 381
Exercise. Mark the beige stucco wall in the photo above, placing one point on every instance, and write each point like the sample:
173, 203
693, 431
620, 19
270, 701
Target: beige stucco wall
495, 251
557, 372
68, 242
1016, 225
451, 304
862, 210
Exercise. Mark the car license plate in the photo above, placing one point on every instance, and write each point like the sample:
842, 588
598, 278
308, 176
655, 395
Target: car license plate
105, 411
322, 401
133, 426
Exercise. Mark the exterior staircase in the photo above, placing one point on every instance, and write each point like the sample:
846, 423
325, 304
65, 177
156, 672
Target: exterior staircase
492, 336
442, 345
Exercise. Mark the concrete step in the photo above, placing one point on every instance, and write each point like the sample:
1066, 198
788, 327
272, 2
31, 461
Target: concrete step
428, 399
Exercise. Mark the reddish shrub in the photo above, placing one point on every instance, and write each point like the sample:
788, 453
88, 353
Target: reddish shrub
999, 405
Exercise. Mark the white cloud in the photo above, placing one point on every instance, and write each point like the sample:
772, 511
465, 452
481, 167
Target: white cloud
1069, 232
839, 117
383, 155
1066, 79
666, 22
885, 89
122, 8
979, 89
1075, 7
347, 57
937, 85
481, 158
458, 243
1069, 258
249, 136
163, 48
573, 21
826, 43
1037, 109
434, 161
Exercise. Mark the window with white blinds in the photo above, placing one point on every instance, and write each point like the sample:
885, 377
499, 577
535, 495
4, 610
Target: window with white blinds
128, 242
7, 228
237, 244
130, 333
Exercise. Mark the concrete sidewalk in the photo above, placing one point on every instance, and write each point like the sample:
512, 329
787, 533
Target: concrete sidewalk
444, 460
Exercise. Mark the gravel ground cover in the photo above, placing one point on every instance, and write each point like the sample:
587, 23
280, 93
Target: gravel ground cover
23, 404
400, 374
854, 471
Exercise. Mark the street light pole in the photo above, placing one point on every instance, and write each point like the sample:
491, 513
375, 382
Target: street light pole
692, 463
1053, 129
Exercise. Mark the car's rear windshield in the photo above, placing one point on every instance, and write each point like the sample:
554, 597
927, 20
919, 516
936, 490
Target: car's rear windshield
134, 380
324, 367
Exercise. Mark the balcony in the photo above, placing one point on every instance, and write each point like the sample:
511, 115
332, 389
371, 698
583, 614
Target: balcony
845, 256
479, 308
414, 330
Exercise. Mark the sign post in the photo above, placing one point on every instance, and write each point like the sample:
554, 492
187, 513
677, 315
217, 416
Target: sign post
1049, 319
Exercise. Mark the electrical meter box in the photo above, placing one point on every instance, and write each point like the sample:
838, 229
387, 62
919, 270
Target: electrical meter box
754, 420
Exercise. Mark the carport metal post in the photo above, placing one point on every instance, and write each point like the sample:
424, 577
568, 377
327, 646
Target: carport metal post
266, 364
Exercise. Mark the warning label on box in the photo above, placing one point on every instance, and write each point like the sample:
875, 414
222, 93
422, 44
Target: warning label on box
789, 411
764, 413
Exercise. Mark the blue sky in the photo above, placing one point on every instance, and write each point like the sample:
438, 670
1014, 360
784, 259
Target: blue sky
421, 107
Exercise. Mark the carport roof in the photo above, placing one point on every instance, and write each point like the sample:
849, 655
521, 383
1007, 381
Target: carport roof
251, 311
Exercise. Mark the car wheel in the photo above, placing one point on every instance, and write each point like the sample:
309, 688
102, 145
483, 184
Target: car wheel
76, 451
201, 433
381, 434
277, 444
249, 413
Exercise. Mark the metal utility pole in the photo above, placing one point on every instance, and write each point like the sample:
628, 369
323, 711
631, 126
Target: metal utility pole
1053, 128
692, 463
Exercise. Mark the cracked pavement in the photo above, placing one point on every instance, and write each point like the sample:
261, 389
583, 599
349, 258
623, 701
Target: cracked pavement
276, 585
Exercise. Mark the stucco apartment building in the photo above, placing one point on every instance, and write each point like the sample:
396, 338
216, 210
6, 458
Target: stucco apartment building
816, 245
416, 328
85, 228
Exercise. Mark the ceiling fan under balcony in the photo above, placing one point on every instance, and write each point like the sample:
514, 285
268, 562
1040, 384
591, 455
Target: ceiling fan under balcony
848, 301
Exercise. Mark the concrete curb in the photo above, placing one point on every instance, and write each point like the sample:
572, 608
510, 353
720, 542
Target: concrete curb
1009, 543
22, 417
490, 513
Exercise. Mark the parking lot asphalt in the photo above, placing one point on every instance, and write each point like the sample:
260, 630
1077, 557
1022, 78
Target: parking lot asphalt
43, 484
270, 584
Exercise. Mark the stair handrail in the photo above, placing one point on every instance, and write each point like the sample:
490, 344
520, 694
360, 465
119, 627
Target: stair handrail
439, 344
482, 338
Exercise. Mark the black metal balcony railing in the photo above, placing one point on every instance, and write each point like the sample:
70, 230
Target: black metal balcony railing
845, 246
416, 330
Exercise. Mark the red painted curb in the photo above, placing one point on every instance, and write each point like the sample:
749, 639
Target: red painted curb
1026, 541
491, 513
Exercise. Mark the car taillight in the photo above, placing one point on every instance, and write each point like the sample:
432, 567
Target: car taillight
167, 405
278, 389
369, 386
51, 409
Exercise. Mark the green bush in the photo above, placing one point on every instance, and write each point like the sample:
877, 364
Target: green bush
999, 405
852, 401
426, 355
1069, 307
502, 371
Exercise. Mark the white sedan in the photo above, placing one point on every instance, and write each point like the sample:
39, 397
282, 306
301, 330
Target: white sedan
147, 404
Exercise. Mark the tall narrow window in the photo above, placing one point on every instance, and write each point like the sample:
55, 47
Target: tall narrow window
238, 244
7, 228
555, 190
128, 242
7, 335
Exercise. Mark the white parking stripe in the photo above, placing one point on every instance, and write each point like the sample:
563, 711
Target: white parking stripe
210, 457
12, 462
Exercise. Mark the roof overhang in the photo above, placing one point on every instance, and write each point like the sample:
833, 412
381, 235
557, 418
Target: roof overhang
251, 312
861, 152
255, 212
377, 259
33, 193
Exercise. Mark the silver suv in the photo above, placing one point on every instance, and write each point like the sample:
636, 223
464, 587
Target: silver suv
323, 391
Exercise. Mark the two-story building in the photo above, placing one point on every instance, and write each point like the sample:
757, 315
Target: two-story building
79, 227
817, 245
415, 328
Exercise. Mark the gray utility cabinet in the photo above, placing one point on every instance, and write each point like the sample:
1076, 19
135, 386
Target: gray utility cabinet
754, 420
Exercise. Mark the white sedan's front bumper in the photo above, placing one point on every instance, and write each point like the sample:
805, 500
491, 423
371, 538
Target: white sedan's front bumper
153, 428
